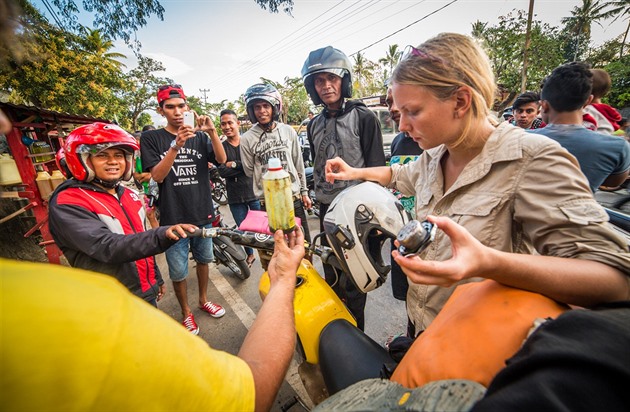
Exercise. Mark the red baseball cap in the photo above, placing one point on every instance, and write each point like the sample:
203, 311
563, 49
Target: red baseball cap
170, 91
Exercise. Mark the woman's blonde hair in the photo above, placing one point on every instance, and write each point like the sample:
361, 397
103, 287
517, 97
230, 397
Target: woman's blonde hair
447, 62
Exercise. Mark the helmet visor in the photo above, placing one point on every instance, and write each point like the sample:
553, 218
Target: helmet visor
335, 71
93, 149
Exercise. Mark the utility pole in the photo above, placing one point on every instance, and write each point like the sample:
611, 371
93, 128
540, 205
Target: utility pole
205, 97
528, 34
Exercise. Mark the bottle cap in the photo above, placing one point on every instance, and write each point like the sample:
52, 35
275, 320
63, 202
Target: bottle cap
274, 163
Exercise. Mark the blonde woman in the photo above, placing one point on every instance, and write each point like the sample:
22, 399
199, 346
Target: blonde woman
510, 205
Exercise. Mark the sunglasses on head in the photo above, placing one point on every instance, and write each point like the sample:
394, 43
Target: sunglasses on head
411, 51
169, 86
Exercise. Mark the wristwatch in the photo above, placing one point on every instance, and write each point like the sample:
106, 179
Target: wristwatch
233, 164
174, 145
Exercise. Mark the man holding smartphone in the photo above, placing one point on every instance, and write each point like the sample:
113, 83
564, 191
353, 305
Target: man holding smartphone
177, 157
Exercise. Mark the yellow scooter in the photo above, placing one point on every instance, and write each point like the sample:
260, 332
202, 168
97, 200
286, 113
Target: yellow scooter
356, 224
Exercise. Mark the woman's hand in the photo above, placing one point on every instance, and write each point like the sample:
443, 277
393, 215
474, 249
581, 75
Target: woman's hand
337, 169
470, 258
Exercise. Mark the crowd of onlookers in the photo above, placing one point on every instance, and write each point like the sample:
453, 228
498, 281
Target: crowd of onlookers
520, 237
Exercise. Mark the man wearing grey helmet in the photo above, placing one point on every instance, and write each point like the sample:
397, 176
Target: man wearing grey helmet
346, 129
269, 138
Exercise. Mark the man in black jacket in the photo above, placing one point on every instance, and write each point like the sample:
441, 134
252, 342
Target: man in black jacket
346, 129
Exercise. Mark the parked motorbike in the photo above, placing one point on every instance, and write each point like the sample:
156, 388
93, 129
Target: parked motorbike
322, 321
217, 183
226, 252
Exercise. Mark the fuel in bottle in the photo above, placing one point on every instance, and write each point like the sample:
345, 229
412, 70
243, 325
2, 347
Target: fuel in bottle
278, 197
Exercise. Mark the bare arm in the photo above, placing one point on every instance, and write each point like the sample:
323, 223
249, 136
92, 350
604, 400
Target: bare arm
574, 281
337, 169
269, 345
160, 170
207, 126
616, 180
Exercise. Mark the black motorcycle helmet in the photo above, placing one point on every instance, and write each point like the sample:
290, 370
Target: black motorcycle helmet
266, 92
327, 60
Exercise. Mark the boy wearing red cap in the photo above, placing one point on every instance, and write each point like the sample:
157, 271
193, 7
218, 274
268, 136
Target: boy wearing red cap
177, 157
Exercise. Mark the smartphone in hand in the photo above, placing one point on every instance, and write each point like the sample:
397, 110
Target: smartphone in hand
189, 119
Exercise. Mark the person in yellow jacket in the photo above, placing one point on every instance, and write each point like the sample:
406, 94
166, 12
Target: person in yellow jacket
90, 344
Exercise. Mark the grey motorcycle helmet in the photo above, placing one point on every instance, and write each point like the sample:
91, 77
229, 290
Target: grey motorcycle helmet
266, 92
358, 222
327, 60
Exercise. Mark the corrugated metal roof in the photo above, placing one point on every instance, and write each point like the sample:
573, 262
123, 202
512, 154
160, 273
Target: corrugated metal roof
13, 110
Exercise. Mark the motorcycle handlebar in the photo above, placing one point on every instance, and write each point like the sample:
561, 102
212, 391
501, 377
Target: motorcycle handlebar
264, 241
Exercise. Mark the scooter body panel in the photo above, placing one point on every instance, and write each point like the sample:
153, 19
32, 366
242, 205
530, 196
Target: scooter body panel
315, 305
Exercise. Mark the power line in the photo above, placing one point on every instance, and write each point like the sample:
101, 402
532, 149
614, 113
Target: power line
52, 13
340, 17
252, 62
406, 27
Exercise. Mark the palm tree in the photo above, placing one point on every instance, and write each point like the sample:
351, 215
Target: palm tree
99, 45
359, 69
619, 9
391, 58
581, 20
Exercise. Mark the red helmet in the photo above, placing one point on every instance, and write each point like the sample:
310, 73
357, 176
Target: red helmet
93, 138
60, 159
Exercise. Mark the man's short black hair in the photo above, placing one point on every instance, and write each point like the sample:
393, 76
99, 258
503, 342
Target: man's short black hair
525, 98
228, 111
568, 87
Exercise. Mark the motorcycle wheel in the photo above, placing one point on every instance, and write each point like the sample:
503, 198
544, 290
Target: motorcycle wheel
239, 267
219, 192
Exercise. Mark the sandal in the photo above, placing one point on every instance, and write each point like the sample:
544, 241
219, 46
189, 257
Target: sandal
250, 259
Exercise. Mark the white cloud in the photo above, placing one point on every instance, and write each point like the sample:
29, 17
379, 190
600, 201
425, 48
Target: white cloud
174, 66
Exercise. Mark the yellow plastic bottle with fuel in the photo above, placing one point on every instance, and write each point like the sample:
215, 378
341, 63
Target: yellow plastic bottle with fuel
9, 173
56, 178
44, 184
278, 197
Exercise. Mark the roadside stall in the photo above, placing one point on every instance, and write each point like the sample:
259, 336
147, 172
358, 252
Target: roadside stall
29, 173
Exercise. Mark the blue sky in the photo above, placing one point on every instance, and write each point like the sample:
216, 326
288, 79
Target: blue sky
226, 46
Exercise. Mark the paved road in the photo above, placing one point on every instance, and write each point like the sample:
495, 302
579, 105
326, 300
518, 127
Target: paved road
385, 315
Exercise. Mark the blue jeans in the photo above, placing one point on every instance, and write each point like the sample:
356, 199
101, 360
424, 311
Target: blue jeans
177, 255
239, 211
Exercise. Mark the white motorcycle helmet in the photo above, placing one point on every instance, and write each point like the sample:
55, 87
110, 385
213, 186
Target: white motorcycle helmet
358, 222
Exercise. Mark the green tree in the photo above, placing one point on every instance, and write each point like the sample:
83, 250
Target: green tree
273, 5
140, 86
578, 26
619, 71
121, 19
359, 68
619, 9
390, 60
604, 54
99, 45
116, 19
143, 120
60, 73
504, 44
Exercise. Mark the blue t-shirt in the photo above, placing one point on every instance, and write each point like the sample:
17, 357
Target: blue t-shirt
600, 155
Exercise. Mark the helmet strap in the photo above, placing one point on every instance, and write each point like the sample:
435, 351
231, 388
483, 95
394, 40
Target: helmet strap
108, 184
328, 112
267, 127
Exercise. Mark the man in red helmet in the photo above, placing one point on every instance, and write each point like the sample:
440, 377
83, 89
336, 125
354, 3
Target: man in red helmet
177, 157
98, 223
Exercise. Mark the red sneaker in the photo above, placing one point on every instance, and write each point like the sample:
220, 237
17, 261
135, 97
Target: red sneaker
215, 310
191, 325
